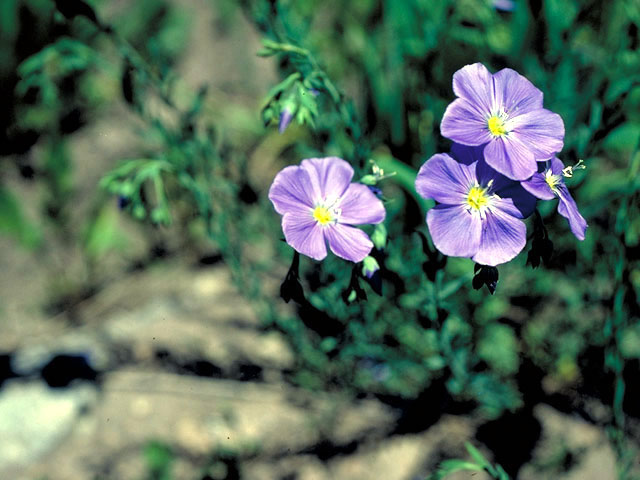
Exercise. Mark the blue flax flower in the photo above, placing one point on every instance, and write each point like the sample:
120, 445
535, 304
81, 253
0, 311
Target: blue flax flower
319, 204
503, 113
479, 212
549, 184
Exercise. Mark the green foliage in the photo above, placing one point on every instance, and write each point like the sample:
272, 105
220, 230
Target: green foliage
13, 221
479, 464
159, 459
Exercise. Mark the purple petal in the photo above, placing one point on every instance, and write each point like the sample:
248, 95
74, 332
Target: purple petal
504, 5
330, 177
444, 179
474, 83
285, 119
464, 124
503, 237
538, 187
290, 191
486, 174
359, 206
466, 154
511, 158
541, 131
454, 230
349, 243
556, 166
304, 235
569, 210
514, 93
516, 202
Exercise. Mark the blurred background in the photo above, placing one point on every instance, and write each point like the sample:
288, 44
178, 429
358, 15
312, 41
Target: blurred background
142, 330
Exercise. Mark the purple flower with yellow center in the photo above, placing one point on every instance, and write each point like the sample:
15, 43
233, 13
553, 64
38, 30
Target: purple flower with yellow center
319, 204
549, 184
502, 112
479, 212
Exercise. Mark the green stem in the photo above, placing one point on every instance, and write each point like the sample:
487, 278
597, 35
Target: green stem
405, 176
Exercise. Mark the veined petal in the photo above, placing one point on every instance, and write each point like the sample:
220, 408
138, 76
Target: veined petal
290, 190
556, 166
569, 210
487, 174
360, 206
304, 235
514, 94
515, 201
502, 238
454, 230
538, 187
474, 83
348, 242
444, 180
464, 123
330, 177
511, 158
541, 131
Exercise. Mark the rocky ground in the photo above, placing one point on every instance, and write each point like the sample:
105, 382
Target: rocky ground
184, 363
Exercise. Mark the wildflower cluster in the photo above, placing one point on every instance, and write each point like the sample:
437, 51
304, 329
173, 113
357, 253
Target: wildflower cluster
502, 161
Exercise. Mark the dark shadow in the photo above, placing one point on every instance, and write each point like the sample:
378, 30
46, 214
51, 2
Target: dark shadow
511, 438
326, 449
65, 368
6, 371
420, 413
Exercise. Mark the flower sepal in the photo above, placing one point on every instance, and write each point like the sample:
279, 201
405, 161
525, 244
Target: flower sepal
291, 288
485, 275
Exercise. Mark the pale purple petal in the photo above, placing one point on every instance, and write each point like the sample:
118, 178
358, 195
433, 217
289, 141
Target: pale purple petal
285, 119
359, 206
556, 166
538, 187
454, 230
516, 201
290, 190
569, 210
540, 130
474, 83
513, 198
304, 235
330, 177
502, 238
504, 5
349, 243
511, 158
486, 174
515, 94
466, 154
444, 179
464, 124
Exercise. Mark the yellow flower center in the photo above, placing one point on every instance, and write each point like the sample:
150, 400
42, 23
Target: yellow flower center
496, 126
322, 215
552, 180
477, 197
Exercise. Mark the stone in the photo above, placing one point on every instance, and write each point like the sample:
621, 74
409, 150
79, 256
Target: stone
35, 418
565, 437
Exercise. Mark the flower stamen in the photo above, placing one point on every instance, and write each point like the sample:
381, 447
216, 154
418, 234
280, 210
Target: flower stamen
322, 215
552, 180
477, 198
496, 126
